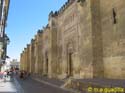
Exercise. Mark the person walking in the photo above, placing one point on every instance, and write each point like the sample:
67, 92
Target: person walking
4, 76
1, 75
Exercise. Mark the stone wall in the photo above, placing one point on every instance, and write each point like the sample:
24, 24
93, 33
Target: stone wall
68, 42
40, 56
113, 37
84, 39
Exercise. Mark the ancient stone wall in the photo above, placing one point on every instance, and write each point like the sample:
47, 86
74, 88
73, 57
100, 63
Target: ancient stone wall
53, 46
40, 56
45, 51
28, 56
67, 38
113, 29
32, 56
84, 39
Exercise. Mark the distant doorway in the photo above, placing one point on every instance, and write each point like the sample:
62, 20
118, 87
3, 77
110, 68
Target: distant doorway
46, 65
70, 65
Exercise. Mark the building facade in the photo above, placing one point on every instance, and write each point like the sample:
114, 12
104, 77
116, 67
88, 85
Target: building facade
84, 39
14, 64
4, 40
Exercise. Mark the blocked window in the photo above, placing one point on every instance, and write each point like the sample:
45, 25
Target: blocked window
114, 16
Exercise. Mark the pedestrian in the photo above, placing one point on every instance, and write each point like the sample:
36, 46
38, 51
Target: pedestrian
21, 75
1, 75
5, 75
10, 73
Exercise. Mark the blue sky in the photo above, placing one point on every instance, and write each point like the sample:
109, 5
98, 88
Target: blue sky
24, 19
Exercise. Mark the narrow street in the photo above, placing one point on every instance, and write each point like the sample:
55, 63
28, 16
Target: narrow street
29, 85
32, 86
62, 46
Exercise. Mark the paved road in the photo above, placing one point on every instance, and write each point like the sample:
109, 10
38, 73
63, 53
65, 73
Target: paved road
32, 86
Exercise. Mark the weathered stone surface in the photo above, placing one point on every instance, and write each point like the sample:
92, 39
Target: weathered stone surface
82, 40
113, 38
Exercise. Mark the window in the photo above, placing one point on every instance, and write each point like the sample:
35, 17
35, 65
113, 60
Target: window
114, 16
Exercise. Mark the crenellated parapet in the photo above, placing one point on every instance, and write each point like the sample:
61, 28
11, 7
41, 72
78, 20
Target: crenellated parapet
39, 31
28, 45
32, 40
24, 49
67, 4
53, 14
62, 9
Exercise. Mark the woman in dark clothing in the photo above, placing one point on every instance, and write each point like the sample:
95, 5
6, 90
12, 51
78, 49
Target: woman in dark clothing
21, 75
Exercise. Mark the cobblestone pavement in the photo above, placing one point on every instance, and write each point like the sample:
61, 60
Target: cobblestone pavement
30, 85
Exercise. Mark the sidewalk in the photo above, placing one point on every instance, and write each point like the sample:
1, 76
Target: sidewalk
82, 85
10, 86
54, 83
7, 87
50, 81
33, 85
